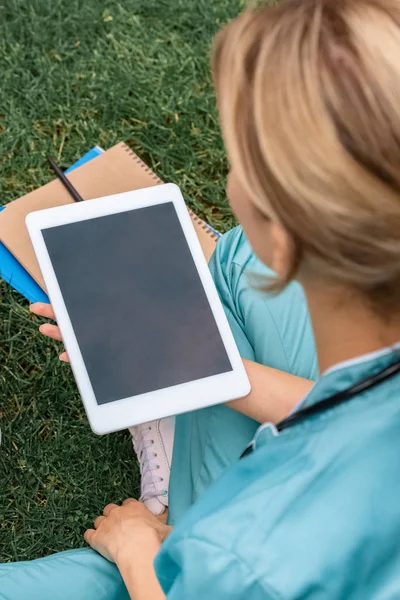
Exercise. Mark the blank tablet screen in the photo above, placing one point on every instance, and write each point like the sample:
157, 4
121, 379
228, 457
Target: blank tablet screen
136, 302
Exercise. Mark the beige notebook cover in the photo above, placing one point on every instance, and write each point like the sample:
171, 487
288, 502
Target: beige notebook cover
117, 170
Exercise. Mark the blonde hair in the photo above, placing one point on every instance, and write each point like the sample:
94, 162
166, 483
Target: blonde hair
309, 98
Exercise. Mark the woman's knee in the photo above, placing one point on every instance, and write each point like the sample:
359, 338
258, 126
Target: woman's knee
78, 574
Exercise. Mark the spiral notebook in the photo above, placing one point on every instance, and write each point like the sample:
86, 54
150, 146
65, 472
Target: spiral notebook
13, 272
115, 171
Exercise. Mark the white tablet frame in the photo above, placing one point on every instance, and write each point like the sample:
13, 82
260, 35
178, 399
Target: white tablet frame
177, 399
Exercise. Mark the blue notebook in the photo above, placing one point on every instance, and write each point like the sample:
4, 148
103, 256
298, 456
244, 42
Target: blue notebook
13, 272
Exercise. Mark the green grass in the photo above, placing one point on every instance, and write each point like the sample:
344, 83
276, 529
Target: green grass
75, 74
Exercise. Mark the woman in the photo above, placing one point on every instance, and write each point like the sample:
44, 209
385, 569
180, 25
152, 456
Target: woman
308, 96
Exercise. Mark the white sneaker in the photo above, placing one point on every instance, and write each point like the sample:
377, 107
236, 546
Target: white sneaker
153, 443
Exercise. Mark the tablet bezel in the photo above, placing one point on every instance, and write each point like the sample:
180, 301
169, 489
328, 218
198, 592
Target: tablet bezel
149, 406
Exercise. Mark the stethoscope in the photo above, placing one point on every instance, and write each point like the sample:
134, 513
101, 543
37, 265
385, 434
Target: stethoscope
343, 396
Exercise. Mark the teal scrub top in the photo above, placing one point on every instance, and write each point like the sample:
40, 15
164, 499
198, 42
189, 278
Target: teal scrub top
313, 513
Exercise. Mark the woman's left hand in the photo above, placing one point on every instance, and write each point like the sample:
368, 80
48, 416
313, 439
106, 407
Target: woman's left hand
123, 530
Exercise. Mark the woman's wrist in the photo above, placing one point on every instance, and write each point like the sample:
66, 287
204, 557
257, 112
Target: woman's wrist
142, 549
136, 565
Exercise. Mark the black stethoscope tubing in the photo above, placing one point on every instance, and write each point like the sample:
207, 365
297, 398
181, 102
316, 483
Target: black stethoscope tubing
339, 398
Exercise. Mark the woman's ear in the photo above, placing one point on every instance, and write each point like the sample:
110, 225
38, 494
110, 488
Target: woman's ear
280, 250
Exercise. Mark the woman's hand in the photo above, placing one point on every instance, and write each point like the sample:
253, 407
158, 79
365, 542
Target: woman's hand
52, 331
123, 531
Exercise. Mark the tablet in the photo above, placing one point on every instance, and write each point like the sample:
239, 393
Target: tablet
139, 314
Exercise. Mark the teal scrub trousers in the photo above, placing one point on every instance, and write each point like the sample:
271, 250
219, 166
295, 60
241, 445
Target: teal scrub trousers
271, 330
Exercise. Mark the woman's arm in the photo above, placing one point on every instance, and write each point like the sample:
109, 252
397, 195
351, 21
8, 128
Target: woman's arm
137, 571
273, 394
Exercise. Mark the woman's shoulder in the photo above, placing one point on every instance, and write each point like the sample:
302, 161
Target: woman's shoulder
302, 506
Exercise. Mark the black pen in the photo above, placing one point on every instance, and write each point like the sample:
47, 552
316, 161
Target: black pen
63, 178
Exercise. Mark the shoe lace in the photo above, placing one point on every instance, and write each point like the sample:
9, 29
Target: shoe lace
147, 465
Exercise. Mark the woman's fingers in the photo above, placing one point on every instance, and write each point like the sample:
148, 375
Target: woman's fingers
88, 536
108, 509
99, 521
51, 331
64, 357
42, 310
128, 501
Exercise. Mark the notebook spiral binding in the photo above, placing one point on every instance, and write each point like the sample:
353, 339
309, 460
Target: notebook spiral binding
207, 228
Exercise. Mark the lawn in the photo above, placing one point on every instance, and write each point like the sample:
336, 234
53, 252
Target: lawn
75, 74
